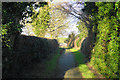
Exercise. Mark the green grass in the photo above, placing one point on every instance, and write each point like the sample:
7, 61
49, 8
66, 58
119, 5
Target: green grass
61, 40
79, 57
83, 68
86, 73
51, 64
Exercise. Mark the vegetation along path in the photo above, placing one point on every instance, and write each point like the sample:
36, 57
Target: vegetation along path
71, 65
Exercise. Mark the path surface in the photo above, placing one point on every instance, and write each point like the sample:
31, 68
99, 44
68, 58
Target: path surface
66, 67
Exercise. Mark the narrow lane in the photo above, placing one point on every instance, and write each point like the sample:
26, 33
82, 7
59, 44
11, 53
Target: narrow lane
66, 66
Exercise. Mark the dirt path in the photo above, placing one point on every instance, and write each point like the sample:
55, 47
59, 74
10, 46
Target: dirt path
66, 67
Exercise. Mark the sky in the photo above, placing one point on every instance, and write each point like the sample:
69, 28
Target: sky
72, 27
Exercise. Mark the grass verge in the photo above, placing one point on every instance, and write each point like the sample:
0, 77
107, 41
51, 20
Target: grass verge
51, 64
83, 68
79, 57
86, 73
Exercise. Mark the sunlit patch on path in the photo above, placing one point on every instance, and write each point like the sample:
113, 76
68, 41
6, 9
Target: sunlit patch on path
73, 73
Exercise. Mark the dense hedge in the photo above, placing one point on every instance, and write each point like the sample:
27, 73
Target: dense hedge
27, 50
105, 54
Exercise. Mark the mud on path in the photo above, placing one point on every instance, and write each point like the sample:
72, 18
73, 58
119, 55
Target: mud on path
67, 66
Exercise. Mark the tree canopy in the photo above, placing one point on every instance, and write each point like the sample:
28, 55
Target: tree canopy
40, 20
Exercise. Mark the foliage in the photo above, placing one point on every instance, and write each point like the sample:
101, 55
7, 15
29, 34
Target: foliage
105, 22
83, 32
83, 29
48, 20
12, 13
35, 49
40, 20
86, 73
106, 50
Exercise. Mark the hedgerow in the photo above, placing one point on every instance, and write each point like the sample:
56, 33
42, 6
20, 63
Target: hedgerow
105, 54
